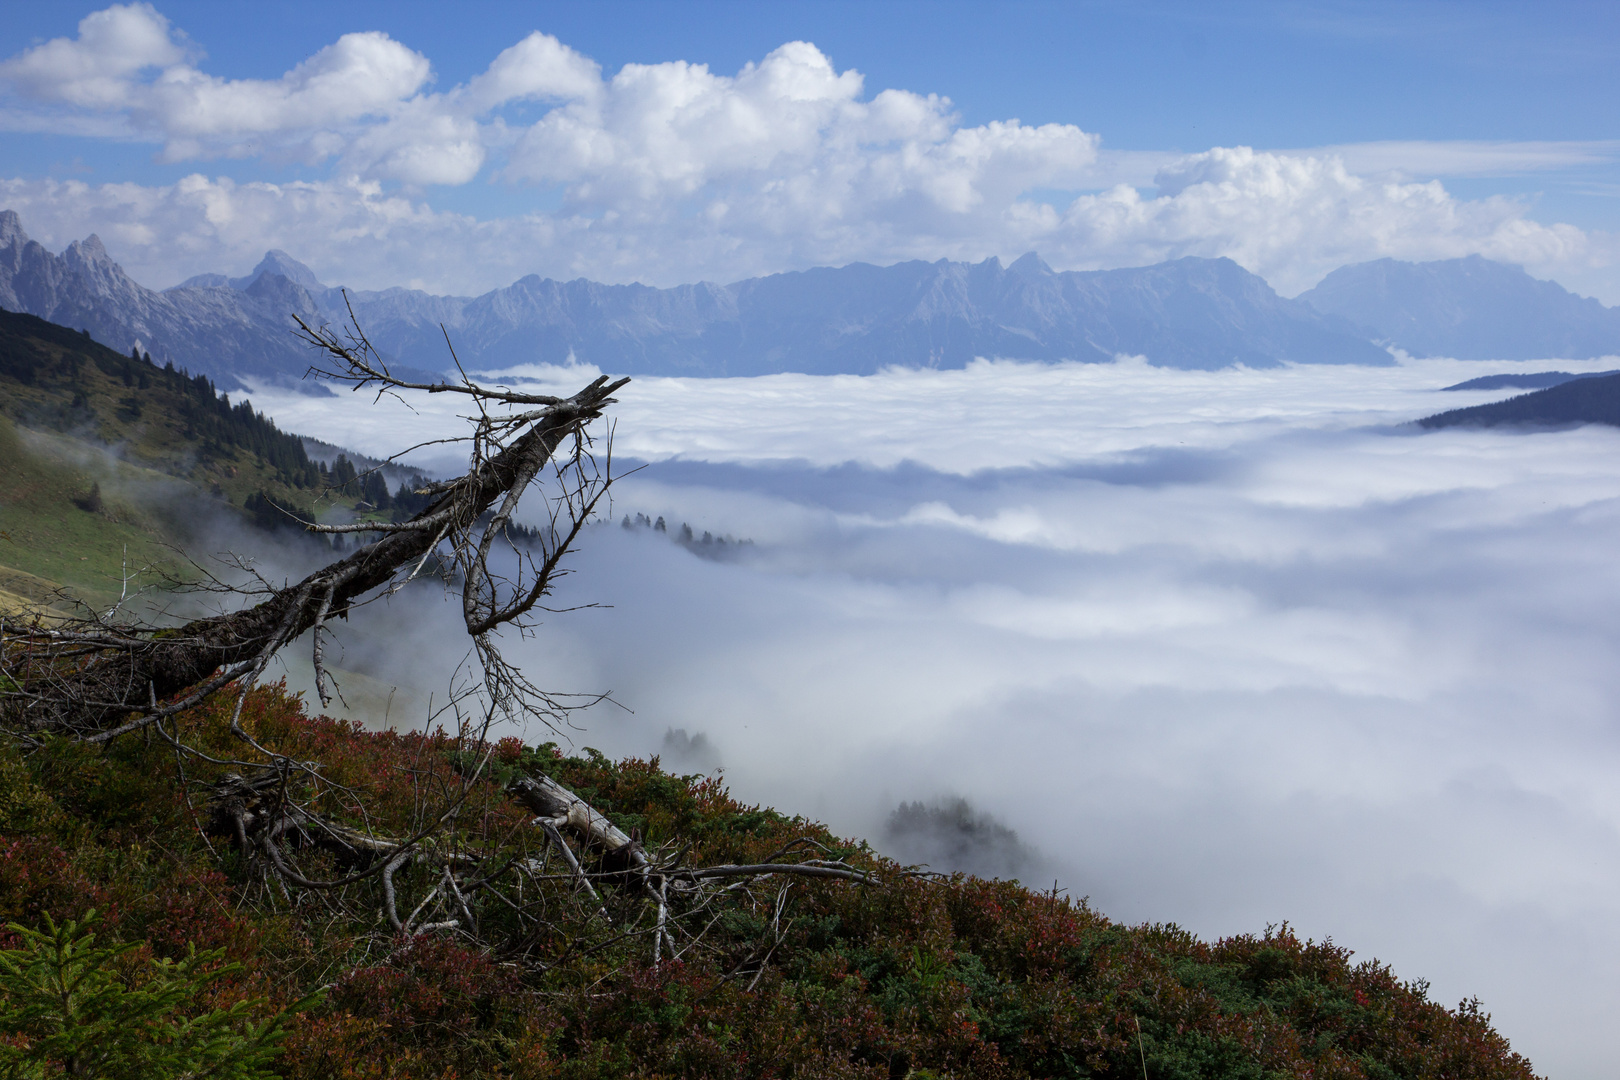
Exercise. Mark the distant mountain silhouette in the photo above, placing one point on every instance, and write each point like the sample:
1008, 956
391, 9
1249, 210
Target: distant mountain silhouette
1578, 401
1538, 380
1190, 313
1471, 309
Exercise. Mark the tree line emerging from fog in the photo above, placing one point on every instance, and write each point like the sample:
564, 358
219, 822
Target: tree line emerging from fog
706, 544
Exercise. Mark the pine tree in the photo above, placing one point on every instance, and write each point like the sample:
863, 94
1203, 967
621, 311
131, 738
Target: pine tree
64, 1010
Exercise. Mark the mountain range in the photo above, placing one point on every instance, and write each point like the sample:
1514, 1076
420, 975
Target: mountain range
222, 332
1468, 309
856, 319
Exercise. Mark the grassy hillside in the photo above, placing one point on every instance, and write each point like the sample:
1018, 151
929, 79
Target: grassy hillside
107, 461
787, 977
55, 379
51, 532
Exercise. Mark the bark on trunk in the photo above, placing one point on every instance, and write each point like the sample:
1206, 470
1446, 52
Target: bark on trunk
157, 666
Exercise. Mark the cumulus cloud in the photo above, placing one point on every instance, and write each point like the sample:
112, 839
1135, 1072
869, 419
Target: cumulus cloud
672, 172
128, 62
1221, 648
95, 70
1292, 219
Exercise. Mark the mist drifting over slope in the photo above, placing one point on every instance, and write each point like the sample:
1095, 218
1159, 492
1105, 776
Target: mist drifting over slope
1223, 648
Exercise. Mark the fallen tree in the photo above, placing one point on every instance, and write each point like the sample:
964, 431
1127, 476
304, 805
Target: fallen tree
100, 677
97, 677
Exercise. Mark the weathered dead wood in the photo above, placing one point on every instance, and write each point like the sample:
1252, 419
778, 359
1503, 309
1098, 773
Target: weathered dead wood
96, 680
263, 818
100, 682
555, 804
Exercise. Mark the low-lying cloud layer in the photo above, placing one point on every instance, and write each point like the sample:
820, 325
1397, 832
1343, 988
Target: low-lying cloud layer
1221, 648
668, 173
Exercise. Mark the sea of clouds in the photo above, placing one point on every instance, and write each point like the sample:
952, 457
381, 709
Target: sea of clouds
1223, 649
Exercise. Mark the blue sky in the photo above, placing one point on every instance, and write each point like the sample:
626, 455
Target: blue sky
1509, 106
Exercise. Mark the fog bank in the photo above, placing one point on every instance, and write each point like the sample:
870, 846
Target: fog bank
1222, 649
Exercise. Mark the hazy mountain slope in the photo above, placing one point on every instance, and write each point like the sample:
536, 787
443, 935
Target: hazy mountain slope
56, 379
1471, 309
1191, 313
1536, 380
1579, 401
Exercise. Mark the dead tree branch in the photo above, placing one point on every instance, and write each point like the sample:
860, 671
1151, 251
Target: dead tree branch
97, 680
99, 677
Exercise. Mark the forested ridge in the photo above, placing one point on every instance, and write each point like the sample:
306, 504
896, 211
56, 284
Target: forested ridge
60, 379
1584, 400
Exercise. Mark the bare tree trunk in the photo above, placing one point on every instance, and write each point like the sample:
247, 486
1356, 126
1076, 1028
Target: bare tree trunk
97, 678
553, 803
88, 680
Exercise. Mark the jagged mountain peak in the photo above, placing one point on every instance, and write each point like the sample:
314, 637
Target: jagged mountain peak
204, 281
11, 230
282, 294
276, 261
1030, 265
223, 333
90, 249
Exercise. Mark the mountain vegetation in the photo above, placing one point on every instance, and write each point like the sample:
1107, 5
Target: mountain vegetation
905, 976
61, 380
1525, 380
109, 462
1579, 401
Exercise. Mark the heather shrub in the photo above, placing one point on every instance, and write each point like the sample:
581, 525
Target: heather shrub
918, 977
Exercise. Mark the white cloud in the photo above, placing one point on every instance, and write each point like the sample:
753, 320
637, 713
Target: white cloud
96, 69
1222, 646
1290, 220
1466, 157
128, 62
359, 75
786, 147
537, 68
670, 173
1293, 219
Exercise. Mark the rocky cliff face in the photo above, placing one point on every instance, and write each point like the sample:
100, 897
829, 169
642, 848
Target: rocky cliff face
223, 332
1471, 309
1191, 313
